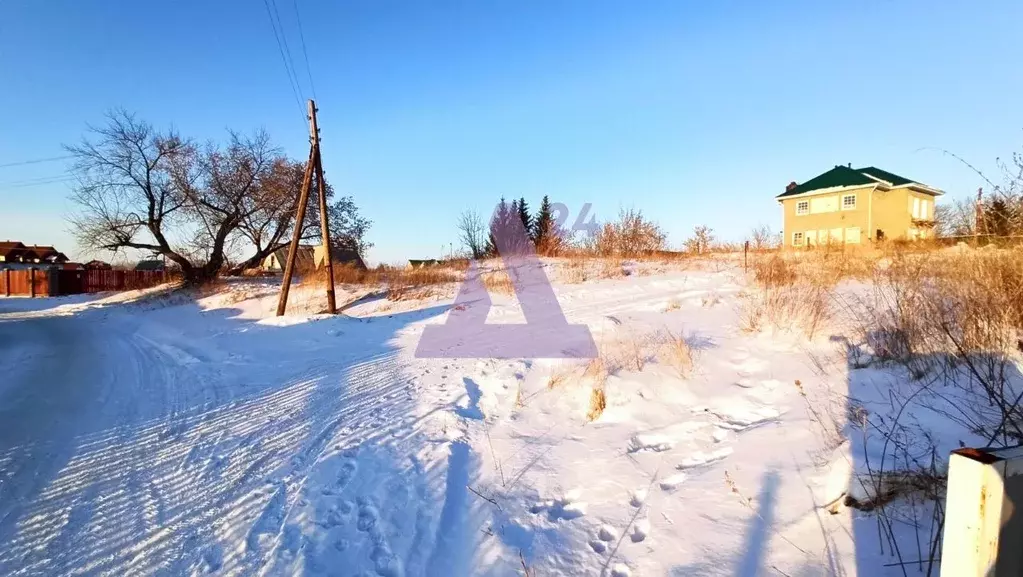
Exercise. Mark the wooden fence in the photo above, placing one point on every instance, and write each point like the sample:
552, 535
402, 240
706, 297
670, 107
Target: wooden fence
44, 282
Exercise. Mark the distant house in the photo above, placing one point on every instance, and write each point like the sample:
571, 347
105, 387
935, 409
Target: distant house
311, 257
305, 259
12, 251
48, 254
150, 265
848, 205
97, 265
15, 254
416, 263
340, 256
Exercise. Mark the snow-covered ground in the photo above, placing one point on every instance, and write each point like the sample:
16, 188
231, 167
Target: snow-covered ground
170, 435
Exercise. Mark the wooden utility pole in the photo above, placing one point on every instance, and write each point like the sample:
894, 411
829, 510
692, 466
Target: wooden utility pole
314, 164
978, 217
321, 185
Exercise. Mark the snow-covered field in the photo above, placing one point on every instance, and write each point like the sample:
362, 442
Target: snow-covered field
171, 435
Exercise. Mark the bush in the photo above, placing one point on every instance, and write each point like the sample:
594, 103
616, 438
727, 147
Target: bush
630, 236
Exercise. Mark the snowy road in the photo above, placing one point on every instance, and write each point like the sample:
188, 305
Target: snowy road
69, 379
127, 446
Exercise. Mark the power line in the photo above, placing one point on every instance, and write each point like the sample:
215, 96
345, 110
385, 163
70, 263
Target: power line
67, 174
37, 182
36, 161
287, 68
287, 49
305, 55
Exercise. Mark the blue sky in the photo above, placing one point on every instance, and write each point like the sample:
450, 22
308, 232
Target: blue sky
694, 112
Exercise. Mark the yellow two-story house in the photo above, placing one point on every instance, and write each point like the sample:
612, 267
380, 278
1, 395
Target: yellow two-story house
848, 205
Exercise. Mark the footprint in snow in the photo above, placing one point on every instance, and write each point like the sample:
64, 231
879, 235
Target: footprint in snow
607, 533
699, 459
650, 442
638, 497
385, 562
345, 474
736, 419
560, 510
368, 516
567, 507
640, 530
340, 514
671, 483
621, 570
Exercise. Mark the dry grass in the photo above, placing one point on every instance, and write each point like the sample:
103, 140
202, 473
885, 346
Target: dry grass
950, 320
612, 268
598, 370
556, 379
598, 402
498, 281
675, 351
795, 290
944, 303
710, 300
575, 271
402, 283
673, 305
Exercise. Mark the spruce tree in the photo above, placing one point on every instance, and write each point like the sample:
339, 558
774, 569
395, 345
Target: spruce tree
498, 224
527, 220
543, 227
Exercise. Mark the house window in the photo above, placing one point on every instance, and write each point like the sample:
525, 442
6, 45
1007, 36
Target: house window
918, 207
852, 235
797, 239
849, 202
824, 204
803, 207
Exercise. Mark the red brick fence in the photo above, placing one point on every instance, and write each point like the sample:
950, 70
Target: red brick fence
48, 282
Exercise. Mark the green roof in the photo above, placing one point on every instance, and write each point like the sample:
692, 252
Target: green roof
886, 176
845, 176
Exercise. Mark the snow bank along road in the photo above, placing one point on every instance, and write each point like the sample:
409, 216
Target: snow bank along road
180, 437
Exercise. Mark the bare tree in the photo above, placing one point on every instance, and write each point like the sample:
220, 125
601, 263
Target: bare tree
269, 219
954, 219
762, 238
701, 240
472, 233
156, 192
126, 192
218, 185
631, 235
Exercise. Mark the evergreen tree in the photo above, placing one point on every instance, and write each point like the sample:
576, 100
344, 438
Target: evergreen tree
543, 232
497, 226
527, 220
998, 217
